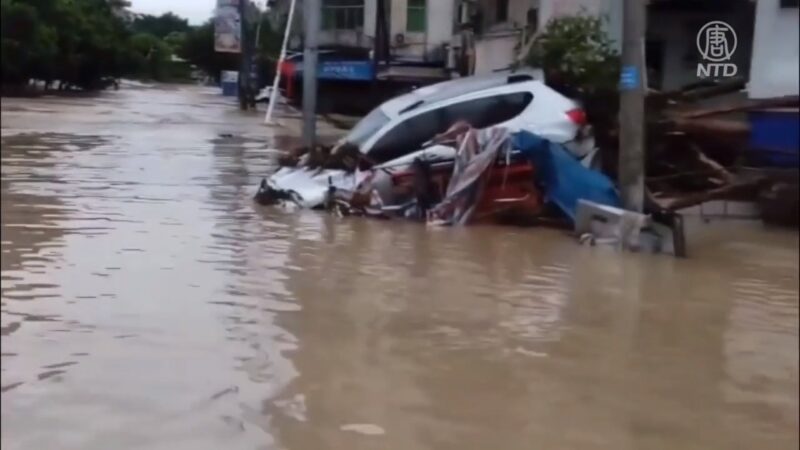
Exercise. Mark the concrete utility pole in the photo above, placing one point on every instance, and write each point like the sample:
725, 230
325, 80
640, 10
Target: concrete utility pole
312, 13
631, 111
244, 63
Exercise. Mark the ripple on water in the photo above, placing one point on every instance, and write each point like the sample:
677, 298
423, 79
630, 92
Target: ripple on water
144, 290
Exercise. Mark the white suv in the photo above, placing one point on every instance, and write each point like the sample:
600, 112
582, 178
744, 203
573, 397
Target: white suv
515, 101
396, 132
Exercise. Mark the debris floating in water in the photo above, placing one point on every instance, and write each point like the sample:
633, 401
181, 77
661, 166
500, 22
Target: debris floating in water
364, 428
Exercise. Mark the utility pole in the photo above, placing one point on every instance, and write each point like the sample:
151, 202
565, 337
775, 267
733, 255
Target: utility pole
244, 63
312, 14
631, 106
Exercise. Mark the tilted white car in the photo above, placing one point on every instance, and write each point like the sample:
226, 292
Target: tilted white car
400, 127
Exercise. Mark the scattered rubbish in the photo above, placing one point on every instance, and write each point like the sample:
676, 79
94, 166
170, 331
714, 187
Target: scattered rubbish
531, 353
435, 157
464, 175
265, 94
704, 141
779, 204
368, 429
477, 151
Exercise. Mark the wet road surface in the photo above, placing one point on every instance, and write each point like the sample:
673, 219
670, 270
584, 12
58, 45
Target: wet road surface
148, 303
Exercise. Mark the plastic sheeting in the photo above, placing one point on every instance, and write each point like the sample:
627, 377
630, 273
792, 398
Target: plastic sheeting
562, 178
477, 152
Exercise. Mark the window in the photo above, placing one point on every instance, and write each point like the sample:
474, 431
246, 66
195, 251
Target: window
342, 14
367, 127
416, 16
533, 19
409, 135
488, 111
502, 11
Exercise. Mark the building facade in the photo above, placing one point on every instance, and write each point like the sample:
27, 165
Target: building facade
504, 26
776, 52
493, 34
418, 30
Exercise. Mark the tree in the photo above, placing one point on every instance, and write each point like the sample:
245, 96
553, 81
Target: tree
175, 41
198, 49
160, 26
150, 55
81, 43
28, 45
579, 60
577, 56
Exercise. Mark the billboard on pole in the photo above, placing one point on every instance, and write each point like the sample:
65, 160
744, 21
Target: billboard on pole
227, 27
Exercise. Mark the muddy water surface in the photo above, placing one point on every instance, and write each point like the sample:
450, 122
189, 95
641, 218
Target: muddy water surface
147, 303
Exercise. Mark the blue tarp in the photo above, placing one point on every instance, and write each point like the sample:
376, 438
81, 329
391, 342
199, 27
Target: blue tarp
562, 178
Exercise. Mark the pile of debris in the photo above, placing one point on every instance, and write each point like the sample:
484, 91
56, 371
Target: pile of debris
469, 175
695, 153
700, 146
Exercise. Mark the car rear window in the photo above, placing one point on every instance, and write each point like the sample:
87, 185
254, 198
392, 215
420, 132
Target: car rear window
411, 134
488, 111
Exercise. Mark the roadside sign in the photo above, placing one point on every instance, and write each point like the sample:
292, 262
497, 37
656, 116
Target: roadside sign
629, 78
227, 27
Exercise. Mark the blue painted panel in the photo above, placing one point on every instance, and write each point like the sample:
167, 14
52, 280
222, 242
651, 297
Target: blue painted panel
629, 78
342, 70
775, 137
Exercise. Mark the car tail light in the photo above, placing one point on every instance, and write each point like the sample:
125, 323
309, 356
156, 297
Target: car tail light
577, 116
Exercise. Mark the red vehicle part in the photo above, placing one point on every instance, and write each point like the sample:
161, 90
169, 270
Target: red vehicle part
287, 70
509, 189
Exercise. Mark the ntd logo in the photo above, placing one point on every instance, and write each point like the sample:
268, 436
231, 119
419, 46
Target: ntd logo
716, 42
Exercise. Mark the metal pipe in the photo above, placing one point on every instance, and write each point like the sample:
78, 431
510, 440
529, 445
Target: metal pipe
274, 94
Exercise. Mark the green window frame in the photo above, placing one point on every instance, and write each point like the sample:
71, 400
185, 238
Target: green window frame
342, 14
416, 16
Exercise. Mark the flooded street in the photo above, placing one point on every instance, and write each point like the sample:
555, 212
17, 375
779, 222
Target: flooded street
149, 303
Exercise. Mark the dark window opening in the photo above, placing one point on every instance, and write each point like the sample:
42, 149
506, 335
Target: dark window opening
654, 60
342, 14
502, 10
532, 18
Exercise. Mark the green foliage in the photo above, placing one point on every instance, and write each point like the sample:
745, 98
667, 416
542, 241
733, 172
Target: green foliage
160, 26
150, 55
83, 43
175, 41
579, 60
269, 42
577, 56
198, 48
28, 46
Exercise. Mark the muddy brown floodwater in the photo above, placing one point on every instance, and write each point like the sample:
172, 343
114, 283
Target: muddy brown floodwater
148, 303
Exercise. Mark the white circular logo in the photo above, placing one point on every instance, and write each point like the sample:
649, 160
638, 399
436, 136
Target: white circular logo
716, 41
